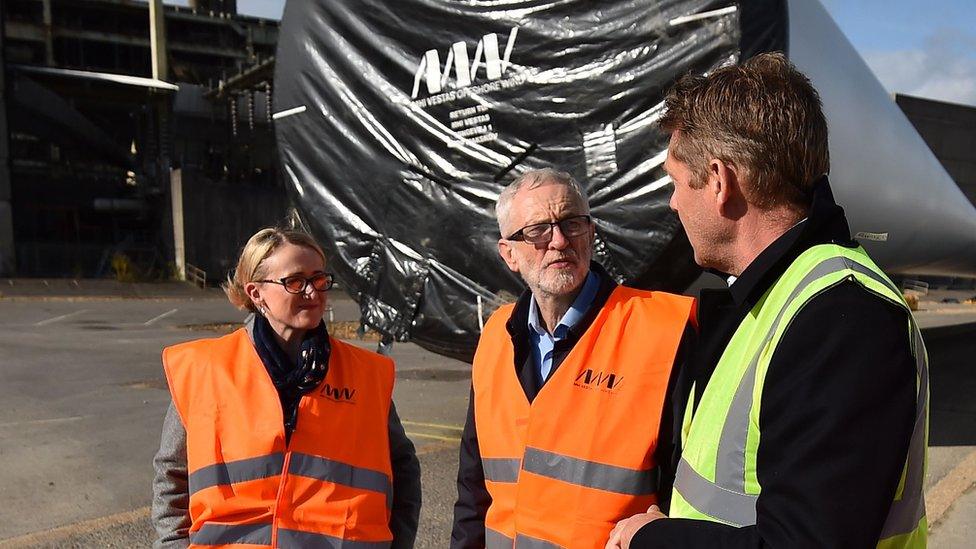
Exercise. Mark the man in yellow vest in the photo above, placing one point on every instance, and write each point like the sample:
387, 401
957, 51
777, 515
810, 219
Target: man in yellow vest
805, 405
568, 385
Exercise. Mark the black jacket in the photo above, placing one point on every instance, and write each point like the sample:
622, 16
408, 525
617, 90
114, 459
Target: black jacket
473, 498
837, 409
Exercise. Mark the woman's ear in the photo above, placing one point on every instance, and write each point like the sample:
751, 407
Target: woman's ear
253, 291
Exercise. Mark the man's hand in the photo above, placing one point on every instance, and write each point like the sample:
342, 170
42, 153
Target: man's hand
624, 531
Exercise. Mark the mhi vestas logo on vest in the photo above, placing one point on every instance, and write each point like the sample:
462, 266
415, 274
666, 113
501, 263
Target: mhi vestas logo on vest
592, 379
465, 68
338, 394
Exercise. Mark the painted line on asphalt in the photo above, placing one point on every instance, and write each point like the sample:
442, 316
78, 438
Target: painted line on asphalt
56, 536
434, 437
939, 498
60, 318
50, 421
160, 317
434, 425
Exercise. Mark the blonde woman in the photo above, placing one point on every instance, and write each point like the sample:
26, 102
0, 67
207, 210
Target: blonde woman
279, 435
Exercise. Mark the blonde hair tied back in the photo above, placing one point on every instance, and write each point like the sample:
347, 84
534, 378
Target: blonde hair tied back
250, 263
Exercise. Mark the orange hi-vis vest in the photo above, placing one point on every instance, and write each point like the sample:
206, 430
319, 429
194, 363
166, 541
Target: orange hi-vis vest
330, 486
563, 470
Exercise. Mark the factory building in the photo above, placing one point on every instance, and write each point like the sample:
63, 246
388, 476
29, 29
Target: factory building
98, 106
949, 129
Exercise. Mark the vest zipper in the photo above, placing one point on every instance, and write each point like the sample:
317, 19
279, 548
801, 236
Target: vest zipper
281, 484
281, 493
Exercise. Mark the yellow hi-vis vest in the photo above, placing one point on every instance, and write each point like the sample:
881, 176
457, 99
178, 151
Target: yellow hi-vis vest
716, 478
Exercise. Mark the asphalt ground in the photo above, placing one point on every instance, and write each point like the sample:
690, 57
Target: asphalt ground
82, 396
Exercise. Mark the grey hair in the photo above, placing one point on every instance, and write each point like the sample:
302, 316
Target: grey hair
531, 180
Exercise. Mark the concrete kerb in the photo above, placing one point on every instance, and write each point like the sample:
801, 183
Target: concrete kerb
58, 535
939, 498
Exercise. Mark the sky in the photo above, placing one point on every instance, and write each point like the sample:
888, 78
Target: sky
922, 48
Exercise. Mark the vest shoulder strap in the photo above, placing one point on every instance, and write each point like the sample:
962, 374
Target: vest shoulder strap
181, 361
362, 356
832, 262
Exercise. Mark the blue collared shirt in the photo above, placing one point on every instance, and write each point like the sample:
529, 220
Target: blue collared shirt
542, 341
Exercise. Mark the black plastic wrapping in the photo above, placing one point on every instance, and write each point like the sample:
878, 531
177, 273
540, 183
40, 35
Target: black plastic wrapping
399, 121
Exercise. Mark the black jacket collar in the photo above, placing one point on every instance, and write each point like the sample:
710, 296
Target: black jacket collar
825, 223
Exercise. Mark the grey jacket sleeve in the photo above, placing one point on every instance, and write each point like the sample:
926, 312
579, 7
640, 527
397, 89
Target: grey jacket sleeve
171, 495
405, 516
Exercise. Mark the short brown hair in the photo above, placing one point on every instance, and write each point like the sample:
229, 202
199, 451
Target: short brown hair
250, 264
762, 116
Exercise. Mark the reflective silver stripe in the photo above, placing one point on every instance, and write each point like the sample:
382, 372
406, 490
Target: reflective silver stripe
857, 267
288, 539
233, 472
905, 514
723, 504
730, 467
226, 534
525, 542
589, 473
497, 540
327, 470
501, 469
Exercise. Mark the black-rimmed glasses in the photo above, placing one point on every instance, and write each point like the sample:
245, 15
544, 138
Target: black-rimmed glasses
541, 233
297, 284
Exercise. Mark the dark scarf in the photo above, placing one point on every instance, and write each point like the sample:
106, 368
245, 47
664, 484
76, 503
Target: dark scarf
290, 379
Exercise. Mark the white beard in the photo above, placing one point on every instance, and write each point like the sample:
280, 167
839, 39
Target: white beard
555, 284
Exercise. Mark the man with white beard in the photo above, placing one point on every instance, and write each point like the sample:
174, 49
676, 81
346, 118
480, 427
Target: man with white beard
567, 429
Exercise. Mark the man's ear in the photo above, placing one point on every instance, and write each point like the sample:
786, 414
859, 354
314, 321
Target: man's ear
724, 187
506, 250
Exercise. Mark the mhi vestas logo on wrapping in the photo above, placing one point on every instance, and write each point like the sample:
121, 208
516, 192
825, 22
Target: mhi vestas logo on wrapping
465, 69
